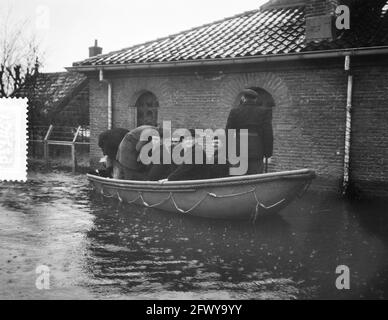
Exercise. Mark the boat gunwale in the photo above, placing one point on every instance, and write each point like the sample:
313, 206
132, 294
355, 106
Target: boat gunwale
201, 184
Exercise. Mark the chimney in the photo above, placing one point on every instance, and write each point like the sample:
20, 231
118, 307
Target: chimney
282, 4
320, 16
316, 8
96, 50
320, 20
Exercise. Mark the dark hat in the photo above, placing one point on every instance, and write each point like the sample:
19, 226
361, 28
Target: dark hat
249, 93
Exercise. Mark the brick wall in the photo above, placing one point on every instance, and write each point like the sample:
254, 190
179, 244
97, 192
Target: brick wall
320, 7
98, 116
369, 156
308, 119
311, 128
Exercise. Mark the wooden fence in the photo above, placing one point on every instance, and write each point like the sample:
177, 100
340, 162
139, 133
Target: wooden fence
60, 136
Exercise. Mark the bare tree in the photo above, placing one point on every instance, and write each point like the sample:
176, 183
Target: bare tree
20, 53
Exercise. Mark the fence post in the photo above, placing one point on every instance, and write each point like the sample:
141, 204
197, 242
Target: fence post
45, 145
73, 150
73, 158
45, 152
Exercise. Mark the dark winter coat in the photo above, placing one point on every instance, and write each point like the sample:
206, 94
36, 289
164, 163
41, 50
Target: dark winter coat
199, 171
258, 121
110, 140
160, 171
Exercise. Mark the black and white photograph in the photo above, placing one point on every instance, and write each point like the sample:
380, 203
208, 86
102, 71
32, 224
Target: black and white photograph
193, 155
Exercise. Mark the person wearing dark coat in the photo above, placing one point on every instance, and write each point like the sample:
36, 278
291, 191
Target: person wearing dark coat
160, 171
191, 171
252, 115
195, 171
218, 170
109, 142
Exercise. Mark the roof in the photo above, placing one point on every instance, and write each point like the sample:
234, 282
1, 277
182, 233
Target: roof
54, 90
262, 32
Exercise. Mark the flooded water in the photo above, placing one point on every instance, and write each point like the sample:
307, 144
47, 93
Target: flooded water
96, 248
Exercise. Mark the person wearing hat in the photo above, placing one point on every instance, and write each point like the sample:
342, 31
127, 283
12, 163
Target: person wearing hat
253, 115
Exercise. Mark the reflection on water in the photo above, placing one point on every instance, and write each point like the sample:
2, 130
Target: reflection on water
97, 248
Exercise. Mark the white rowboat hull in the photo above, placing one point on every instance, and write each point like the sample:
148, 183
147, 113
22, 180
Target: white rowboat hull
242, 197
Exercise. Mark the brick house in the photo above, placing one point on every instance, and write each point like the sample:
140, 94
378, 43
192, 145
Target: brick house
288, 49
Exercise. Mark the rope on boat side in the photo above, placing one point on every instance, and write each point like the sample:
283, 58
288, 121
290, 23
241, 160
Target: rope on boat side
133, 201
259, 204
156, 204
231, 195
192, 208
118, 196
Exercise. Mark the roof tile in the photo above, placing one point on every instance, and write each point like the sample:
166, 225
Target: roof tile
253, 33
54, 89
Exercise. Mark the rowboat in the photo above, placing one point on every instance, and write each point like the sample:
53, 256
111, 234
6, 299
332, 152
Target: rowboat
241, 197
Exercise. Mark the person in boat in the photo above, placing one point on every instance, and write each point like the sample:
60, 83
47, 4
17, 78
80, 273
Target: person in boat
218, 170
129, 165
109, 142
160, 171
252, 115
193, 171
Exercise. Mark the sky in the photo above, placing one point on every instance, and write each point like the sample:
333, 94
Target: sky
66, 28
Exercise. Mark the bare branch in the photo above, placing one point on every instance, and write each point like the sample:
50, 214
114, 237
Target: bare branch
20, 52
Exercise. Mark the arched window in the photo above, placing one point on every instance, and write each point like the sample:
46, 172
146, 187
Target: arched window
147, 106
